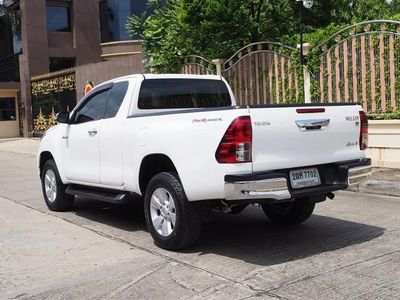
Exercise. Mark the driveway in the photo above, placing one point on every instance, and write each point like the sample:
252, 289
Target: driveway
350, 248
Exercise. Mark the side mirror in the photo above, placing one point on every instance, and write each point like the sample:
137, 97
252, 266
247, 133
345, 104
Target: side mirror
63, 117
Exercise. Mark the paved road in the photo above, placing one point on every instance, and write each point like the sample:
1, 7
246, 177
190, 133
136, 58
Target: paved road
350, 248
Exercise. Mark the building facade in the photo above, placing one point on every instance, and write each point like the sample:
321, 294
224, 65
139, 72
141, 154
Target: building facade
50, 49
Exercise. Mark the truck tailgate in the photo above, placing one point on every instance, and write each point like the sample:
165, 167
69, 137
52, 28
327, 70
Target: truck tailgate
291, 137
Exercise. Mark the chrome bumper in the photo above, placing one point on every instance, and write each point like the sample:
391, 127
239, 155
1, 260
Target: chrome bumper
276, 188
359, 173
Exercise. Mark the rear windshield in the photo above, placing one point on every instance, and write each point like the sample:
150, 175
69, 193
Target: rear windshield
183, 93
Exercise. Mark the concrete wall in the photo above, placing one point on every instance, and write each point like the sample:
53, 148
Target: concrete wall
9, 129
384, 143
106, 70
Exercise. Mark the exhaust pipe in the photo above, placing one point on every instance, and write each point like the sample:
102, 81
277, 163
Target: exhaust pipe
330, 196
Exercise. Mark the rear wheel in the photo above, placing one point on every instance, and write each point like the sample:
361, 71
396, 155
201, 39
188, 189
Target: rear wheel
53, 189
171, 220
289, 213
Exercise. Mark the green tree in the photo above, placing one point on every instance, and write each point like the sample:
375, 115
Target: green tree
217, 28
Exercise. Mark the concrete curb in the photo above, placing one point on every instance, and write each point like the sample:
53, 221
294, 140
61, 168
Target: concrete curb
384, 181
381, 187
377, 187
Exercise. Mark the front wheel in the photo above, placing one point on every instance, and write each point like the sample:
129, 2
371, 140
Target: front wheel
171, 220
53, 189
289, 213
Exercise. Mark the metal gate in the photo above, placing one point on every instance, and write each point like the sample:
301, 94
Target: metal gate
361, 63
264, 73
194, 64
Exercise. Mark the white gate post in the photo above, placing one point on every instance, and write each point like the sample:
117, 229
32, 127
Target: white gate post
307, 85
218, 63
306, 74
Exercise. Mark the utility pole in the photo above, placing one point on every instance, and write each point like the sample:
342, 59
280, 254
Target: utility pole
301, 5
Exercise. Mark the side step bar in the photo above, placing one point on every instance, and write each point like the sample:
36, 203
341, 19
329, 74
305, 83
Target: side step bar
109, 196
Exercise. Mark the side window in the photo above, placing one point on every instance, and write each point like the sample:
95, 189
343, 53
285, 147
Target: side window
117, 95
93, 109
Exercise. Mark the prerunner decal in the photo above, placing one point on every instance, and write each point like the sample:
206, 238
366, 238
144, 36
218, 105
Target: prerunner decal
206, 120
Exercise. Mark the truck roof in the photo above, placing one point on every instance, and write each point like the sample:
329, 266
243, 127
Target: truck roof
181, 76
166, 76
158, 76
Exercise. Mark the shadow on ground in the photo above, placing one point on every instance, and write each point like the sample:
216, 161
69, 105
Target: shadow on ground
252, 238
127, 217
248, 236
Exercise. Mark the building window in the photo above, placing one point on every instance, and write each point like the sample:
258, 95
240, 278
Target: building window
7, 109
58, 63
58, 17
113, 17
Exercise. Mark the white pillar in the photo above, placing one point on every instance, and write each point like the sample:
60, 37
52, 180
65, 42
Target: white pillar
306, 74
218, 63
307, 85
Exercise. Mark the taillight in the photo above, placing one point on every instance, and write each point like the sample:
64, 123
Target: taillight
235, 146
363, 131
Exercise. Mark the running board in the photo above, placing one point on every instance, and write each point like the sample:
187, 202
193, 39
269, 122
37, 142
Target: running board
109, 196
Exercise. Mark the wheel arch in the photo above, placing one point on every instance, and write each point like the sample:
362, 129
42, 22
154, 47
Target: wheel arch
151, 165
44, 157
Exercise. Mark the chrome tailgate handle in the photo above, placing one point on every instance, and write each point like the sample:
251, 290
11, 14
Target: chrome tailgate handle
313, 124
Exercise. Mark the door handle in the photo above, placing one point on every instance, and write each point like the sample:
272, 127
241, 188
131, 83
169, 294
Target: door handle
313, 124
92, 132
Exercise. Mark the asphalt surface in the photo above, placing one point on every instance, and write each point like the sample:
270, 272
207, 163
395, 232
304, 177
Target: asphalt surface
350, 248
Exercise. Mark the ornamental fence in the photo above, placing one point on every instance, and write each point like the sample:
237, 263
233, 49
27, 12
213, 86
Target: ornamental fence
360, 63
51, 93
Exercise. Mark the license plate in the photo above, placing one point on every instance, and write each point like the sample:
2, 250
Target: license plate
304, 178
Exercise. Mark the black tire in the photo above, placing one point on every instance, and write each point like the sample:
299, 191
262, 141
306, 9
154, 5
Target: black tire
289, 213
62, 201
187, 227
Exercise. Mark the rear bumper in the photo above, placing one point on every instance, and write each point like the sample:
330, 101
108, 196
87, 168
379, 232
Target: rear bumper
275, 185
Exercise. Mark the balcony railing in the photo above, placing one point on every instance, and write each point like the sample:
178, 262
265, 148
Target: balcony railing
9, 68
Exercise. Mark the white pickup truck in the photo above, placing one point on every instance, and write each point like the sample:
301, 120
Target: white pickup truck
182, 144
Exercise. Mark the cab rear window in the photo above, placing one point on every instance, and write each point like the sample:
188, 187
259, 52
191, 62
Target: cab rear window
183, 93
